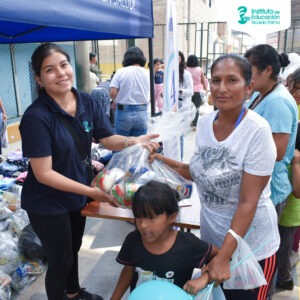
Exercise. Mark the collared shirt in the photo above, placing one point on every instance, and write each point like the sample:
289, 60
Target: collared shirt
43, 135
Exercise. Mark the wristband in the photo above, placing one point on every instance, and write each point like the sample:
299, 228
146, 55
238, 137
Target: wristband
234, 234
127, 141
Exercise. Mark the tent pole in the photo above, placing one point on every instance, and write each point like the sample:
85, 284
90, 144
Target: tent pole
152, 100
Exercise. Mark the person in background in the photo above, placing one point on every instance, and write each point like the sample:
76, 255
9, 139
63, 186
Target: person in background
186, 90
233, 160
186, 86
156, 250
200, 84
57, 185
93, 65
101, 94
293, 85
289, 223
158, 84
274, 103
130, 90
3, 119
94, 81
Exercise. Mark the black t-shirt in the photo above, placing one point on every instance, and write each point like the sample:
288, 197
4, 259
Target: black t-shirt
175, 265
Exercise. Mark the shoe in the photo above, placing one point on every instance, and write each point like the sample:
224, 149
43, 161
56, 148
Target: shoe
84, 295
285, 285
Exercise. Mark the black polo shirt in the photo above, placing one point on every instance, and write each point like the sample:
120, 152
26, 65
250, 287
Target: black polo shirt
43, 134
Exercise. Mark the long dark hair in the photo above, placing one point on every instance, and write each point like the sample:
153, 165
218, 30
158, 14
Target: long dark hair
181, 66
154, 198
264, 55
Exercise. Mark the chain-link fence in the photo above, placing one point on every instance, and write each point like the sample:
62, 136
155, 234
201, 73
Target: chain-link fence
17, 83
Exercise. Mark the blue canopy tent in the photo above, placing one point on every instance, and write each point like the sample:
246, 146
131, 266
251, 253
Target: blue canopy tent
76, 20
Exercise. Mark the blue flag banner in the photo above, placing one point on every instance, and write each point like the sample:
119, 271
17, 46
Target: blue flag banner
171, 73
171, 77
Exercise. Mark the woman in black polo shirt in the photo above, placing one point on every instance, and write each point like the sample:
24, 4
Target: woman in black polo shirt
56, 187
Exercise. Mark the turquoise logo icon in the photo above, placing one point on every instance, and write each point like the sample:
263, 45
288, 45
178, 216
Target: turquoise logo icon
88, 126
242, 11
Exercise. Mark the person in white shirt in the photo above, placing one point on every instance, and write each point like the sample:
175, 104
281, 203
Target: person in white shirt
186, 91
234, 158
130, 90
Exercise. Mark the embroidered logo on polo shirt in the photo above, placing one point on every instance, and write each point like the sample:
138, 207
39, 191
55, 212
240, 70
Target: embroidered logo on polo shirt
88, 126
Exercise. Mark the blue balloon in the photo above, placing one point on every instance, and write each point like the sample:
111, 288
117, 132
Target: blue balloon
159, 290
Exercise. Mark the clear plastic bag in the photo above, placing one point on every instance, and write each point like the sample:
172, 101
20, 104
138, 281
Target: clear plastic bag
33, 267
19, 219
171, 124
12, 197
21, 283
246, 272
5, 286
9, 253
210, 293
129, 169
4, 211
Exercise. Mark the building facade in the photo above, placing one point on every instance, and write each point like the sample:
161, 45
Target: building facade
201, 30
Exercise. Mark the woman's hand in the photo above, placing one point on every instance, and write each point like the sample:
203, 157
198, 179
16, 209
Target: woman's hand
146, 141
154, 156
98, 195
218, 269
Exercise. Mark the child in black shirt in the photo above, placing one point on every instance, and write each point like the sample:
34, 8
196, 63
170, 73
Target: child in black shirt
156, 250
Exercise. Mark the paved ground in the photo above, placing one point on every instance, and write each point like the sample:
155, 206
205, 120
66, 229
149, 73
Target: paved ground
102, 240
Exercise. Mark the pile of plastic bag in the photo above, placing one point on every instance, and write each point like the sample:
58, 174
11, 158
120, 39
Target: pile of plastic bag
21, 254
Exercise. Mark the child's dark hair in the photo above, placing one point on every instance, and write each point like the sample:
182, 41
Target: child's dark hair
154, 198
293, 81
156, 60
